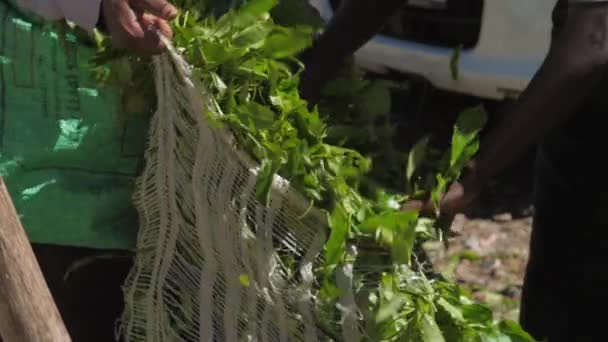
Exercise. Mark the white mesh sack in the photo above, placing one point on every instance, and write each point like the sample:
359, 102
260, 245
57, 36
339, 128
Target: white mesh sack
207, 267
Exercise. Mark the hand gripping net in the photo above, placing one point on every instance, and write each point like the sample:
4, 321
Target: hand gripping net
210, 260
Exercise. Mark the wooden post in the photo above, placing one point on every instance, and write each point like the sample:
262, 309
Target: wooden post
27, 310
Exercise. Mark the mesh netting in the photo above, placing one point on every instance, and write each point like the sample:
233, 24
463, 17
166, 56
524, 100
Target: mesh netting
210, 262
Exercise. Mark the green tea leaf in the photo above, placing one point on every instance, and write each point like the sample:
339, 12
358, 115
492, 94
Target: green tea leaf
454, 61
252, 37
403, 244
257, 8
297, 13
335, 248
454, 312
515, 332
391, 220
216, 53
386, 202
477, 313
430, 329
329, 291
218, 84
244, 280
439, 190
287, 42
416, 156
373, 101
266, 175
389, 309
394, 229
464, 141
258, 116
243, 17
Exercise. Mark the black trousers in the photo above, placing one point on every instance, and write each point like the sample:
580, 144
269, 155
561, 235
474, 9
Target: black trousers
567, 275
566, 282
90, 300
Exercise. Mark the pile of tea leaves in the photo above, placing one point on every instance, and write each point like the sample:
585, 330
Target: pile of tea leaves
247, 58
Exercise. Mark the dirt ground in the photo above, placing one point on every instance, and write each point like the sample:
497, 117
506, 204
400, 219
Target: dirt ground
489, 258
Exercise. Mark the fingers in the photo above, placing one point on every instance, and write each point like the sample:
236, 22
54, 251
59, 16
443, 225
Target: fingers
157, 23
455, 200
159, 8
135, 29
423, 207
412, 206
127, 19
151, 44
451, 203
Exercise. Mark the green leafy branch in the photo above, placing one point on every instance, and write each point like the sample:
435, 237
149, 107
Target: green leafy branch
249, 62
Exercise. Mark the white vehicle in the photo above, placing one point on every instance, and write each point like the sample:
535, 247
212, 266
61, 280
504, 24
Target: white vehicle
503, 43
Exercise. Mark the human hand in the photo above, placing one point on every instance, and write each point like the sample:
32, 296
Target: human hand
128, 22
458, 197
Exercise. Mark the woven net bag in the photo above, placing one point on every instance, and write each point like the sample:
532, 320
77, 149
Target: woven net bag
208, 265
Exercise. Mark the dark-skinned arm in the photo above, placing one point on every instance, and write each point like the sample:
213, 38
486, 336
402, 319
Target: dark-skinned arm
354, 24
572, 70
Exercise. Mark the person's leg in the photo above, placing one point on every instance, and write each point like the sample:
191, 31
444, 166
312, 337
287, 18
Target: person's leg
90, 300
538, 294
566, 277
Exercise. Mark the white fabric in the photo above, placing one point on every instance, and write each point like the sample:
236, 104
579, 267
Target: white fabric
202, 229
84, 13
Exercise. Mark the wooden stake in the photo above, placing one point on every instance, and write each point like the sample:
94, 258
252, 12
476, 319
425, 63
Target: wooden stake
27, 310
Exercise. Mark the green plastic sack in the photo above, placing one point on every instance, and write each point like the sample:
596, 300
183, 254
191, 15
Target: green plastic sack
68, 156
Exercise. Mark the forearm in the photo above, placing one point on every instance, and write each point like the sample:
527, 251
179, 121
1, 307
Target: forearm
572, 69
353, 25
